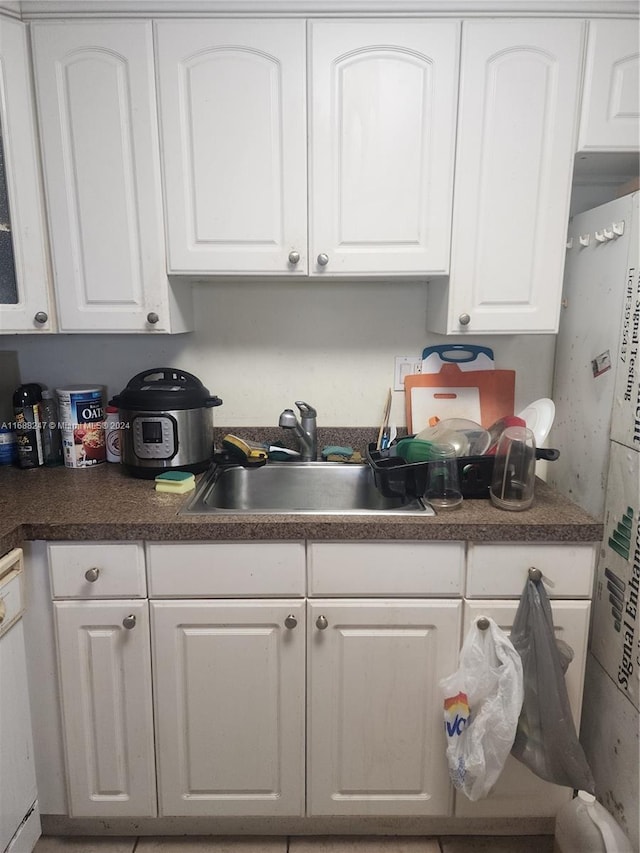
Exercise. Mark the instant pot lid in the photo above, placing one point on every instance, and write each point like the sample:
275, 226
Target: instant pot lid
164, 389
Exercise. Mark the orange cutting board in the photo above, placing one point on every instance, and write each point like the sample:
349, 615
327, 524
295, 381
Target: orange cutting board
483, 396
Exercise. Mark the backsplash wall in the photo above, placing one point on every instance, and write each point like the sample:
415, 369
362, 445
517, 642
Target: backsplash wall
262, 345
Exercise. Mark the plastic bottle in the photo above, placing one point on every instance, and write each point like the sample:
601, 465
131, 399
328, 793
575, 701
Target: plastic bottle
112, 434
27, 400
51, 437
584, 826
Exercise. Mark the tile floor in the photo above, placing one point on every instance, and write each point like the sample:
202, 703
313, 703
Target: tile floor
327, 844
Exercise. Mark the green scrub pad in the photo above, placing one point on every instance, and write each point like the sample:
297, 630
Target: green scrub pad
175, 482
336, 450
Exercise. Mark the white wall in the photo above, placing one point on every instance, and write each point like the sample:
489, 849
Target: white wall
260, 346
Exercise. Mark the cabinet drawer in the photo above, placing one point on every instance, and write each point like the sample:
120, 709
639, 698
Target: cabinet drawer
97, 570
386, 568
226, 569
501, 570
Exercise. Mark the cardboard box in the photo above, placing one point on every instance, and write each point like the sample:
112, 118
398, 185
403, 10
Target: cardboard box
625, 417
615, 638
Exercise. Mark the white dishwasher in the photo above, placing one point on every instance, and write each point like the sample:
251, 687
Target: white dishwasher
19, 815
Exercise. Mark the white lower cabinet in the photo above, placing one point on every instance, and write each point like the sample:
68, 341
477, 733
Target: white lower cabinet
105, 693
289, 678
376, 742
229, 702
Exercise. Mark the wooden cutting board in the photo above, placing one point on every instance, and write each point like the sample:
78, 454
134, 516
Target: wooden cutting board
483, 396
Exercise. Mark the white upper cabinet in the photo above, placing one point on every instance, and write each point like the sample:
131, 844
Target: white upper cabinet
517, 127
232, 100
381, 140
611, 98
96, 104
24, 281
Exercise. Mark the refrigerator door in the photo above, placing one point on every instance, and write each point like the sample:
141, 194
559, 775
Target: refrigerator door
586, 348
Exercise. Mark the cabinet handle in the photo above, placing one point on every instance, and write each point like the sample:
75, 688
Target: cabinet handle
41, 317
290, 622
321, 623
152, 318
483, 623
464, 319
323, 259
294, 257
535, 575
129, 622
92, 575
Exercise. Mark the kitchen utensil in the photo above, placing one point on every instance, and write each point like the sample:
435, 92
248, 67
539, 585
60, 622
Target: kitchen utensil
514, 470
539, 417
483, 396
465, 356
383, 433
443, 487
168, 422
467, 437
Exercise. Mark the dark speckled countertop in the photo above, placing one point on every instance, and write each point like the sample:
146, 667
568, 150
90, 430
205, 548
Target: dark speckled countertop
105, 504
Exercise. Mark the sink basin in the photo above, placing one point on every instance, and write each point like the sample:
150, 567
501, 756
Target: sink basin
296, 487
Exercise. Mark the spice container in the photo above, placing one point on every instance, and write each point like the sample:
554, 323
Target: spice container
8, 447
51, 438
112, 434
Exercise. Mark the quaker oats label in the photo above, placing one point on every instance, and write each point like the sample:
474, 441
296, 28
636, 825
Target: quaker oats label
81, 412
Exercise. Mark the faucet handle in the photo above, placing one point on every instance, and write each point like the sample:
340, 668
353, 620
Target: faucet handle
305, 409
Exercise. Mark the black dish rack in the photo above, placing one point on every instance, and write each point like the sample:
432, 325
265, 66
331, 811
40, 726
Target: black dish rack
396, 478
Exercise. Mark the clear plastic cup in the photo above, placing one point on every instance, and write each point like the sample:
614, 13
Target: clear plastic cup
443, 484
514, 470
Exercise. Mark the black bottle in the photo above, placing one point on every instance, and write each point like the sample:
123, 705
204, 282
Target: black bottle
27, 400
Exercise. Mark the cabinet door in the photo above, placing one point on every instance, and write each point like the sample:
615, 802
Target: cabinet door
24, 271
519, 792
229, 703
233, 126
382, 134
376, 743
96, 105
105, 691
611, 98
517, 124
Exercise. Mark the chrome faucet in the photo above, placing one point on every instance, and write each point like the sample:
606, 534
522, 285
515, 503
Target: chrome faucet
305, 429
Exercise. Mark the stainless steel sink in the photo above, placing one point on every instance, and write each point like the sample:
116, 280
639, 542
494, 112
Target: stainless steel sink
296, 487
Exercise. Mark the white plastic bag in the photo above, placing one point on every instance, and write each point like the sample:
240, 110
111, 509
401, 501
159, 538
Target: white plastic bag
482, 703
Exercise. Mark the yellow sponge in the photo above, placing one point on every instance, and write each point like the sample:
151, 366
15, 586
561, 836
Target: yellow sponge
175, 482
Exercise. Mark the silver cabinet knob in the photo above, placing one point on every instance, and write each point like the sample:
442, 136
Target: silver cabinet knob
129, 622
41, 317
92, 575
294, 257
152, 318
535, 575
464, 319
323, 259
290, 622
321, 623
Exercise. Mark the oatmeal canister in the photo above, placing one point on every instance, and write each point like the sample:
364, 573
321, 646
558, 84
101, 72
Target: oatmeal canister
81, 413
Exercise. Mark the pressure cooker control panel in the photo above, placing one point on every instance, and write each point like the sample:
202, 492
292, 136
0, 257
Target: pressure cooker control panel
154, 437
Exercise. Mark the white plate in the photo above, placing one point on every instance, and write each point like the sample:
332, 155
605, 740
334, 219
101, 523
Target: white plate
539, 417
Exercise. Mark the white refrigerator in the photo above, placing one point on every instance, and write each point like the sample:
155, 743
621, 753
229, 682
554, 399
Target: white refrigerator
597, 430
